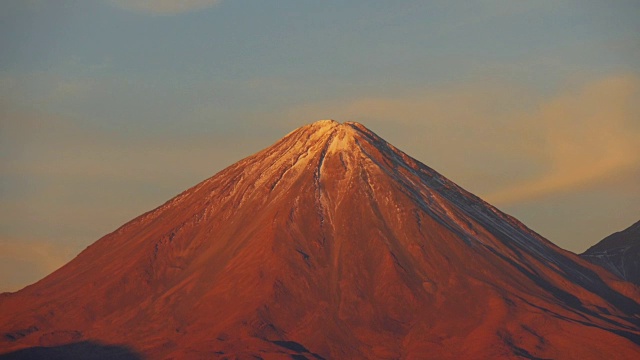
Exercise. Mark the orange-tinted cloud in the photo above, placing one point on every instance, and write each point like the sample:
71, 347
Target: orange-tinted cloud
164, 7
591, 134
24, 262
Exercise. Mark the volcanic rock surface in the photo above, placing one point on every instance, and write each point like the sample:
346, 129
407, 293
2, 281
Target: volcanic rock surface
619, 253
330, 244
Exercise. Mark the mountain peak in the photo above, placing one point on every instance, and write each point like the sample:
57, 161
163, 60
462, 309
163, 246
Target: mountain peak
332, 131
321, 126
326, 123
325, 126
326, 136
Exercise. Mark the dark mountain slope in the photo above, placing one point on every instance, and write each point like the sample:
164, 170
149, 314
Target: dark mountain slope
619, 253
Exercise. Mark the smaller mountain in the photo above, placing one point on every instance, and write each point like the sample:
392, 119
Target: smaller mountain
619, 253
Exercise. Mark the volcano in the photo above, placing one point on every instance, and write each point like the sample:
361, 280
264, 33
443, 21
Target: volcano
329, 244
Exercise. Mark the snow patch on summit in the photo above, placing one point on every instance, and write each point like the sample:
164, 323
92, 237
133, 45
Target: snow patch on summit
342, 140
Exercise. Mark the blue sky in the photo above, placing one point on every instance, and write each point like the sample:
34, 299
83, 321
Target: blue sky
110, 107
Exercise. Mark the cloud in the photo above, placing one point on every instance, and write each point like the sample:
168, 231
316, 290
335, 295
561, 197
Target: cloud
23, 262
590, 139
164, 7
65, 179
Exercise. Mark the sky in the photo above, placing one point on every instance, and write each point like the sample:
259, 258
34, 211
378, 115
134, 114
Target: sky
108, 108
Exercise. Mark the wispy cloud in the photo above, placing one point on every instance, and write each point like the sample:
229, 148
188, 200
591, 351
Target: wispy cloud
24, 262
590, 137
164, 7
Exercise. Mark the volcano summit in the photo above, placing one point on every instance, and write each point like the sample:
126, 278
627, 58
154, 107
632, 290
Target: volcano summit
330, 244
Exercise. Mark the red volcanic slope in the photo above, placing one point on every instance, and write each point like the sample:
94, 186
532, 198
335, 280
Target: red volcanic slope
329, 244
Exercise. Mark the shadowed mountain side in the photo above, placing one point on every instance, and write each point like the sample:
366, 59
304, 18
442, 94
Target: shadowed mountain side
85, 350
333, 244
619, 253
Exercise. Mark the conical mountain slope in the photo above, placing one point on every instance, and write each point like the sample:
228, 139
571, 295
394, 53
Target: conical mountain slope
329, 244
